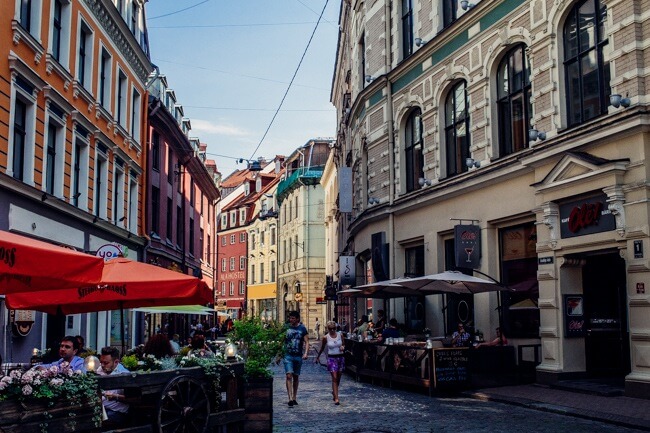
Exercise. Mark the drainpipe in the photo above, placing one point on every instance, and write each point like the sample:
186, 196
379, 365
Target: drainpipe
391, 146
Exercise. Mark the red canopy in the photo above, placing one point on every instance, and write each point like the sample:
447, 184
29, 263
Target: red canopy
27, 264
124, 284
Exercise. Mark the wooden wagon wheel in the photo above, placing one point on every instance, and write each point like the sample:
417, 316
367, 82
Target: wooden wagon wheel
183, 407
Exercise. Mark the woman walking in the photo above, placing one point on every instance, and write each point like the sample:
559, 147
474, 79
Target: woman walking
333, 340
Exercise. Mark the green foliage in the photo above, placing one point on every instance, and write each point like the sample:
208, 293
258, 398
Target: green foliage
259, 343
130, 362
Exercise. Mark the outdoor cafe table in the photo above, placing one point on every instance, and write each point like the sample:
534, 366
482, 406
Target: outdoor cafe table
439, 369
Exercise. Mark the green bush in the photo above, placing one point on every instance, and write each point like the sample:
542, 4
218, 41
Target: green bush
259, 344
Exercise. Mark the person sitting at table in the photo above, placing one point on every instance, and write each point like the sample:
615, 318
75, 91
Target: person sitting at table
362, 327
460, 338
391, 331
499, 340
113, 399
68, 352
199, 349
159, 346
380, 323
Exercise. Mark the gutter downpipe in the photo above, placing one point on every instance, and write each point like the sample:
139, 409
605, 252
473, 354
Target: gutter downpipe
391, 148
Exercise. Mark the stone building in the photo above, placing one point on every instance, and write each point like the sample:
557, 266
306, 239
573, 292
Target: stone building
526, 119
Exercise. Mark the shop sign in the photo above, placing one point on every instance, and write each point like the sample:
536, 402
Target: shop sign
467, 241
545, 260
586, 216
638, 249
22, 321
109, 251
320, 301
297, 297
574, 316
347, 271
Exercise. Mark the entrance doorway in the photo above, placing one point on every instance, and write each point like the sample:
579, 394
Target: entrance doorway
606, 343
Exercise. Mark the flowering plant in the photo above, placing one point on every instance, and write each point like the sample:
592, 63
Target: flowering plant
48, 384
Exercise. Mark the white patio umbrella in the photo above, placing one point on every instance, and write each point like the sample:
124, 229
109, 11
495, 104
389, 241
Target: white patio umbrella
450, 282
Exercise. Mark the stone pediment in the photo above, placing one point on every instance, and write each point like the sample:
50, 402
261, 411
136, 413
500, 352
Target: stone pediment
578, 166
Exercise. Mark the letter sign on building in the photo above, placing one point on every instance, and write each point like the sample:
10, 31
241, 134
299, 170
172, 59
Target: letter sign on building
586, 216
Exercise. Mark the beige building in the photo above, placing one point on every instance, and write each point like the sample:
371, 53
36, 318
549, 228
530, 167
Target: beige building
527, 120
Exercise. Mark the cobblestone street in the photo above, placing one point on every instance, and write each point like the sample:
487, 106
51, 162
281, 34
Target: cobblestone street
366, 408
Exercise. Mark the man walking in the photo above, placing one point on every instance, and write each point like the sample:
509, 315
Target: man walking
296, 348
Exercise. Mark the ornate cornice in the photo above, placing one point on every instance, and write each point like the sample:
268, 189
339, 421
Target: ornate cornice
119, 33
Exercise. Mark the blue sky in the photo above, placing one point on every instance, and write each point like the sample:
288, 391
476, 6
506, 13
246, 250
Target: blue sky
230, 63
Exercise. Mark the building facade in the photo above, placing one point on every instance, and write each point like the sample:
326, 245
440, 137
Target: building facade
72, 154
301, 234
526, 120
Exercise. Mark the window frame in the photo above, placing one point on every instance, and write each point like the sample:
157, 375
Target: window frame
459, 152
407, 28
414, 149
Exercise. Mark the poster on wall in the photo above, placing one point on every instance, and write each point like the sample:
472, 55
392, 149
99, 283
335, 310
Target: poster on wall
574, 316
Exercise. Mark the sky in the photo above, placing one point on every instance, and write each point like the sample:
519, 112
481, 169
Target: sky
230, 64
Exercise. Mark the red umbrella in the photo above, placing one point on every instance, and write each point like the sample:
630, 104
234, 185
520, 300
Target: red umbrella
124, 284
27, 265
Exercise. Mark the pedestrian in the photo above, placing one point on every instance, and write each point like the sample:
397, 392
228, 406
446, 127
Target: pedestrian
333, 341
296, 348
317, 329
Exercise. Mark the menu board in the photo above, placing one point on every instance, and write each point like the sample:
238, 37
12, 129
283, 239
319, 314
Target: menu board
451, 368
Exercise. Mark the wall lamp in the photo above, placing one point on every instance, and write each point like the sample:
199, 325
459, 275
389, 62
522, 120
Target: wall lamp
424, 181
373, 200
253, 165
369, 79
419, 42
469, 162
44, 196
465, 5
617, 100
534, 134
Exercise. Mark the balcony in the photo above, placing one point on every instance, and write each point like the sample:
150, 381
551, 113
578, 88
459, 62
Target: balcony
302, 176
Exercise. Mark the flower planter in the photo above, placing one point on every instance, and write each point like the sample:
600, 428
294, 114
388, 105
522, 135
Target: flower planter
258, 398
40, 417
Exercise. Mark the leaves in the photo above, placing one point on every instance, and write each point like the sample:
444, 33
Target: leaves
259, 342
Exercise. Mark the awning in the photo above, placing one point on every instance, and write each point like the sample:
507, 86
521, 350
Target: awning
178, 309
234, 303
262, 291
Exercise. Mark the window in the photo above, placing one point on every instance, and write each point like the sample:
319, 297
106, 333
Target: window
170, 166
134, 18
252, 238
450, 12
413, 150
208, 248
262, 239
362, 60
50, 165
232, 288
224, 221
233, 218
170, 219
22, 131
190, 247
20, 139
232, 263
261, 272
232, 239
26, 14
105, 79
56, 29
513, 101
101, 181
224, 241
223, 288
587, 73
192, 192
135, 115
242, 238
242, 263
179, 227
155, 207
407, 28
242, 288
29, 14
132, 220
84, 56
456, 129
242, 216
120, 102
272, 235
273, 271
252, 274
155, 152
118, 193
224, 264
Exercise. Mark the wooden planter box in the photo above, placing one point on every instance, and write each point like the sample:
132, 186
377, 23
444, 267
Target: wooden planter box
39, 417
258, 405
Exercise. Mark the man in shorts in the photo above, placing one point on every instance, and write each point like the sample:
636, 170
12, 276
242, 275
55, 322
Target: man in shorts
296, 348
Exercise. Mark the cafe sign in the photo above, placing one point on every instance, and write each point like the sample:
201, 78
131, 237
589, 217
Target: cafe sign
586, 216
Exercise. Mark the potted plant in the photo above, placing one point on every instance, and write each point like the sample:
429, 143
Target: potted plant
259, 344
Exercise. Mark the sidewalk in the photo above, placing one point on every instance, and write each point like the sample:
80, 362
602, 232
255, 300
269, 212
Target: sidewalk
623, 411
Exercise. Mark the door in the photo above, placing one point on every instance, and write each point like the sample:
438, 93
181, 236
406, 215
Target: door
606, 343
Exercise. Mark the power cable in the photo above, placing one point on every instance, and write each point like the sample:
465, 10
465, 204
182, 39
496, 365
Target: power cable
178, 11
210, 26
292, 78
250, 109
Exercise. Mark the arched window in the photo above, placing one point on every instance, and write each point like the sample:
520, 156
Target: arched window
587, 72
457, 129
413, 150
513, 101
407, 28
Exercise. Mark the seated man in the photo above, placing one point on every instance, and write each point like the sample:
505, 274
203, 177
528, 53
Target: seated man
113, 400
68, 352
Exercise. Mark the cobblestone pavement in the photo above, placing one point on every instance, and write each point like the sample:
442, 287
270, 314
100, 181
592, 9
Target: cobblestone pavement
366, 408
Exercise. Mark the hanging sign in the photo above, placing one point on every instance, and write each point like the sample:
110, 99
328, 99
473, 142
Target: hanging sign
347, 274
22, 321
467, 243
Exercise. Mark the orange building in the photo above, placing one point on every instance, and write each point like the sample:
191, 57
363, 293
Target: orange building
73, 84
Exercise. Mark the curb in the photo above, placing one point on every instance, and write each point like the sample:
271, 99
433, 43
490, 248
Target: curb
560, 410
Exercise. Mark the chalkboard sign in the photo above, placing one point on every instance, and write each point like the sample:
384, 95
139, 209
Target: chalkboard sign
451, 368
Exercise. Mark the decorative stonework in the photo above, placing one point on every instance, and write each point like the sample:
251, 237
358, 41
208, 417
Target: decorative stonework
615, 202
551, 219
123, 43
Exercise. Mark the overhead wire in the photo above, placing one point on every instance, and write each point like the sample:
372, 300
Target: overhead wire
178, 11
292, 79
